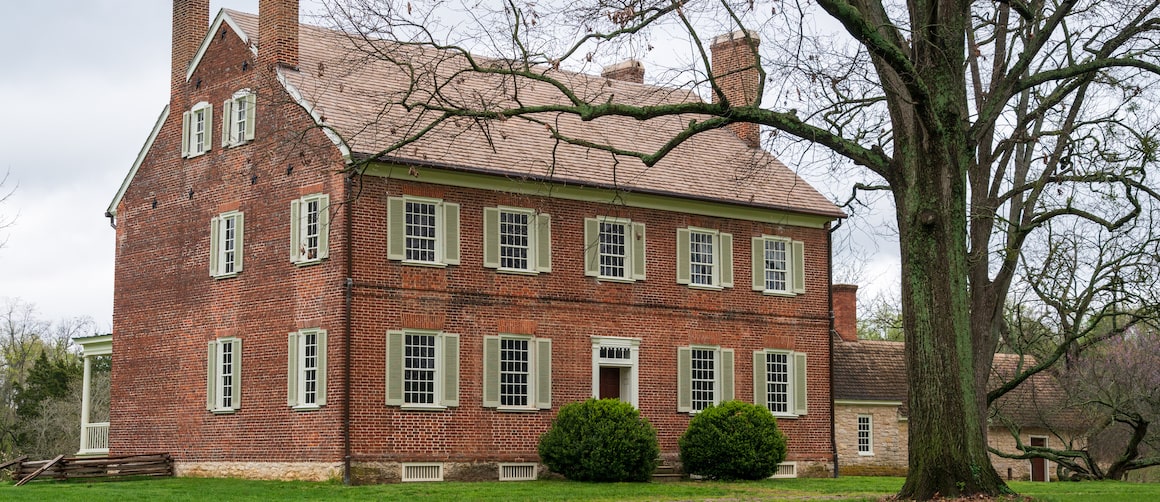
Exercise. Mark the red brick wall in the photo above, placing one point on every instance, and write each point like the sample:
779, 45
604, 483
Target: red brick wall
846, 311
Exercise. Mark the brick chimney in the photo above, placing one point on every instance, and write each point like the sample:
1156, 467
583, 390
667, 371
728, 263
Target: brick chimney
628, 71
846, 311
190, 20
735, 72
278, 33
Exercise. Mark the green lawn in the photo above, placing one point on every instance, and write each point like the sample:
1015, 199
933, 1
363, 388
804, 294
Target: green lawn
847, 488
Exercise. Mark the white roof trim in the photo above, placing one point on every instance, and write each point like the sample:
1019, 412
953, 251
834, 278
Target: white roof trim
309, 107
213, 29
111, 212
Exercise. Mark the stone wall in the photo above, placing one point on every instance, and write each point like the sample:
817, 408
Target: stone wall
889, 440
282, 471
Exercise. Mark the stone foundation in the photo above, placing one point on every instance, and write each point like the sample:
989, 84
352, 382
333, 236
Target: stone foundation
282, 471
363, 473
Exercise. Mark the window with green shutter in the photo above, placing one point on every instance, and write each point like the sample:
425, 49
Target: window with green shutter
197, 127
704, 377
224, 376
614, 249
422, 231
517, 372
704, 258
306, 369
778, 265
422, 369
226, 239
517, 240
309, 229
238, 118
779, 382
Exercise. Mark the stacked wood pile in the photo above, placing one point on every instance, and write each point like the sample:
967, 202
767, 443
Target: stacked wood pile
160, 464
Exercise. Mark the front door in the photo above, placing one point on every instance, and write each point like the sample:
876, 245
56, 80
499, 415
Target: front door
1038, 465
609, 383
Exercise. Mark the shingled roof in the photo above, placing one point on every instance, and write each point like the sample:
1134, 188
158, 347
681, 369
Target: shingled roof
358, 97
870, 370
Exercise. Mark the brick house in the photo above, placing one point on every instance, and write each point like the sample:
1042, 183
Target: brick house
870, 406
425, 316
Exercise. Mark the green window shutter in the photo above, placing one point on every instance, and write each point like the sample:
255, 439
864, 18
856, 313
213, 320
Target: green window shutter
799, 267
684, 379
396, 228
760, 397
638, 249
208, 127
491, 372
591, 247
239, 241
185, 118
726, 375
544, 242
799, 383
758, 264
214, 239
227, 107
450, 369
292, 371
394, 368
726, 261
210, 381
323, 226
237, 389
450, 233
251, 108
295, 231
684, 275
544, 373
320, 396
491, 237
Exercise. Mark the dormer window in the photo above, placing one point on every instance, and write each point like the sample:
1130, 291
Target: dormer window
196, 126
238, 123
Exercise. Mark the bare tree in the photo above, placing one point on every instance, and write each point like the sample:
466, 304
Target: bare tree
5, 194
988, 123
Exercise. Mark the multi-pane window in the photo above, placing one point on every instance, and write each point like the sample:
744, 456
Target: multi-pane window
777, 382
514, 241
226, 244
513, 371
419, 369
223, 375
613, 250
238, 118
423, 231
865, 441
309, 228
703, 378
704, 258
196, 125
701, 262
307, 363
517, 240
239, 122
776, 268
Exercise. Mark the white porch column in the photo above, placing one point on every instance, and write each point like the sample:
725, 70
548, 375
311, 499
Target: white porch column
94, 436
85, 398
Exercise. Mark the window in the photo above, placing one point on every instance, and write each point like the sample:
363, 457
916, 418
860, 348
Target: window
422, 369
865, 435
704, 377
309, 229
423, 231
196, 125
704, 258
779, 382
778, 266
517, 372
517, 240
224, 376
307, 369
226, 231
238, 119
614, 368
614, 249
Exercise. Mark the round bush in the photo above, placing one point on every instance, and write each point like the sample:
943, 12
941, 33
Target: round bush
600, 440
733, 440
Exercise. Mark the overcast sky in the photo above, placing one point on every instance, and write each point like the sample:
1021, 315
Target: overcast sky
82, 83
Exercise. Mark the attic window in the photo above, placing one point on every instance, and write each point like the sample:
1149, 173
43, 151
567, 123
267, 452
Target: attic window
195, 131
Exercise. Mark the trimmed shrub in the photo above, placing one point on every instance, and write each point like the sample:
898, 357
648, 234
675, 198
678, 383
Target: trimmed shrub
733, 440
600, 440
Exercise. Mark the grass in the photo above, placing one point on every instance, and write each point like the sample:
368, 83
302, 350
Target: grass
846, 488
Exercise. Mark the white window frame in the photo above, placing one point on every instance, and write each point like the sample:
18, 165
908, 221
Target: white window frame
797, 391
538, 392
632, 363
215, 376
634, 249
297, 392
443, 374
219, 266
238, 119
724, 385
539, 237
869, 432
721, 275
299, 229
446, 231
200, 116
794, 266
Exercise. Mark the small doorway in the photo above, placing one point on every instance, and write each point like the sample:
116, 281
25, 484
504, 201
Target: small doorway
610, 382
1039, 465
614, 368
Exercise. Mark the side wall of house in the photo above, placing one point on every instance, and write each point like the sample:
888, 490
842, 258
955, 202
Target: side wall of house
568, 308
888, 446
167, 307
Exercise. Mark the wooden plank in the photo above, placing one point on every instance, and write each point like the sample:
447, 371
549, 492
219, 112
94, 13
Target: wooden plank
38, 471
13, 462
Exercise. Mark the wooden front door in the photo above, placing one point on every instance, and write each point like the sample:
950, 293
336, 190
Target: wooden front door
609, 383
1039, 465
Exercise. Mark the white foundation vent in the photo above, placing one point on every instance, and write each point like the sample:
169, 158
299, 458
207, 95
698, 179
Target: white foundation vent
785, 470
517, 472
422, 472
